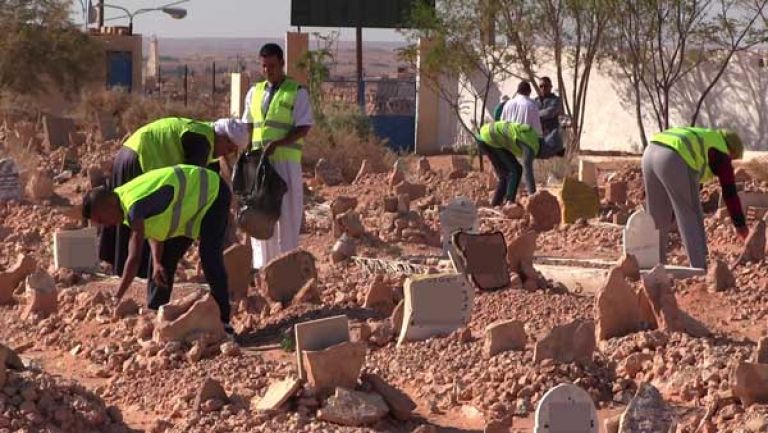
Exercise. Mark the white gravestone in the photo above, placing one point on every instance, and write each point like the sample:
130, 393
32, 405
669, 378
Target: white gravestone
459, 214
641, 239
435, 304
76, 249
318, 335
566, 408
10, 188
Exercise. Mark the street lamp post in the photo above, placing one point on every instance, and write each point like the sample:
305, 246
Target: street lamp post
173, 12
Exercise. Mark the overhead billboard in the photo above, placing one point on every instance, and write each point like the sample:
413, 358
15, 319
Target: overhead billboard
353, 13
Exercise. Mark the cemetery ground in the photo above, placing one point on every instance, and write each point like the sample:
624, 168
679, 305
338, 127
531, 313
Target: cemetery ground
647, 352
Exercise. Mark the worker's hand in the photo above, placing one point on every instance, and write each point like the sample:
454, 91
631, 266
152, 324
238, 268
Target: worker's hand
159, 275
269, 149
743, 232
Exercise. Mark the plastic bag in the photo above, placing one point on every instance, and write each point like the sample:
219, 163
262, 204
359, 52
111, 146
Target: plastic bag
259, 189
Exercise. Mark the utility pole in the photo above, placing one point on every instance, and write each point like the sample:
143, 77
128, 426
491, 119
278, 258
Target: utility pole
359, 55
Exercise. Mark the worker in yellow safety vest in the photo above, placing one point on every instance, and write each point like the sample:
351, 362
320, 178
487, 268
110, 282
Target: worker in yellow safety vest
675, 163
172, 207
279, 113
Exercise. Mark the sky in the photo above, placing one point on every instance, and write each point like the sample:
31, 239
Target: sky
222, 19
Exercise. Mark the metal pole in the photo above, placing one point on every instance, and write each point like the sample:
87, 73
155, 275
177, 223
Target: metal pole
186, 78
101, 14
360, 83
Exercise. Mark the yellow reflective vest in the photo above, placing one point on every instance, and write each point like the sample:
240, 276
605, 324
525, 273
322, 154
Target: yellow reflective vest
278, 121
509, 135
194, 190
693, 144
158, 144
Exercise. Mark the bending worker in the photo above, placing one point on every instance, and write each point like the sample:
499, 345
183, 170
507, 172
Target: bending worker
172, 207
674, 164
504, 143
164, 143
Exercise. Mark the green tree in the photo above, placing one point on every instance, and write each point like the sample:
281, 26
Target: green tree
41, 49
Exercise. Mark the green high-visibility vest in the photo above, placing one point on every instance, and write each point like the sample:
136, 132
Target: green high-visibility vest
277, 122
194, 190
509, 135
158, 143
693, 144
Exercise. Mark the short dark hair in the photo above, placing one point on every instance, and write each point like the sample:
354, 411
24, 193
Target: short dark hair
524, 88
546, 80
271, 50
95, 199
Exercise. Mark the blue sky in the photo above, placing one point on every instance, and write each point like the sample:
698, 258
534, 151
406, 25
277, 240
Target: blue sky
222, 18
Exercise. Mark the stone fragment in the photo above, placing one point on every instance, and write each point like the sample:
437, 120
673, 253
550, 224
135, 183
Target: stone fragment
422, 165
41, 295
353, 408
344, 248
126, 307
396, 319
750, 383
617, 308
629, 266
647, 413
327, 173
414, 190
188, 318
574, 342
210, 390
579, 201
616, 192
390, 203
761, 354
400, 405
237, 261
485, 259
309, 294
349, 222
397, 174
343, 203
277, 394
544, 210
504, 335
286, 274
754, 246
379, 296
381, 333
520, 258
335, 366
40, 186
319, 334
11, 278
657, 287
719, 277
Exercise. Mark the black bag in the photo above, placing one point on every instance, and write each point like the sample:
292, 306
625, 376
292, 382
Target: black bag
551, 145
259, 190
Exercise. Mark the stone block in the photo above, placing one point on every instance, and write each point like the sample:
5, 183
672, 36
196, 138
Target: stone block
57, 130
353, 408
504, 335
617, 308
544, 210
435, 305
588, 172
566, 408
485, 259
237, 261
574, 342
400, 405
286, 274
319, 334
189, 318
42, 300
379, 296
750, 383
579, 200
657, 287
336, 366
277, 394
76, 249
641, 239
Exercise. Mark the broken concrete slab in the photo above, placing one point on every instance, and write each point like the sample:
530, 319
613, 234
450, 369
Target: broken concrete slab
574, 342
485, 259
504, 335
647, 413
750, 383
317, 335
641, 239
353, 408
335, 366
544, 210
286, 274
435, 305
76, 249
42, 300
189, 318
566, 408
10, 186
277, 394
579, 201
237, 261
57, 130
459, 214
400, 405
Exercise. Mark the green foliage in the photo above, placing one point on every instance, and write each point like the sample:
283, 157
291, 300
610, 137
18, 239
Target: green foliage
318, 64
42, 50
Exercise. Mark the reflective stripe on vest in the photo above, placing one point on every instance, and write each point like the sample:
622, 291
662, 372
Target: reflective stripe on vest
277, 122
693, 145
158, 144
195, 189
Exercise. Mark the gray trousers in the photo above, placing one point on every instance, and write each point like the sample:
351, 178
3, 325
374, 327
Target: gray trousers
672, 193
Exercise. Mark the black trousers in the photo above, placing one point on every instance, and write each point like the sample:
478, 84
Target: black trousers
508, 170
211, 248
